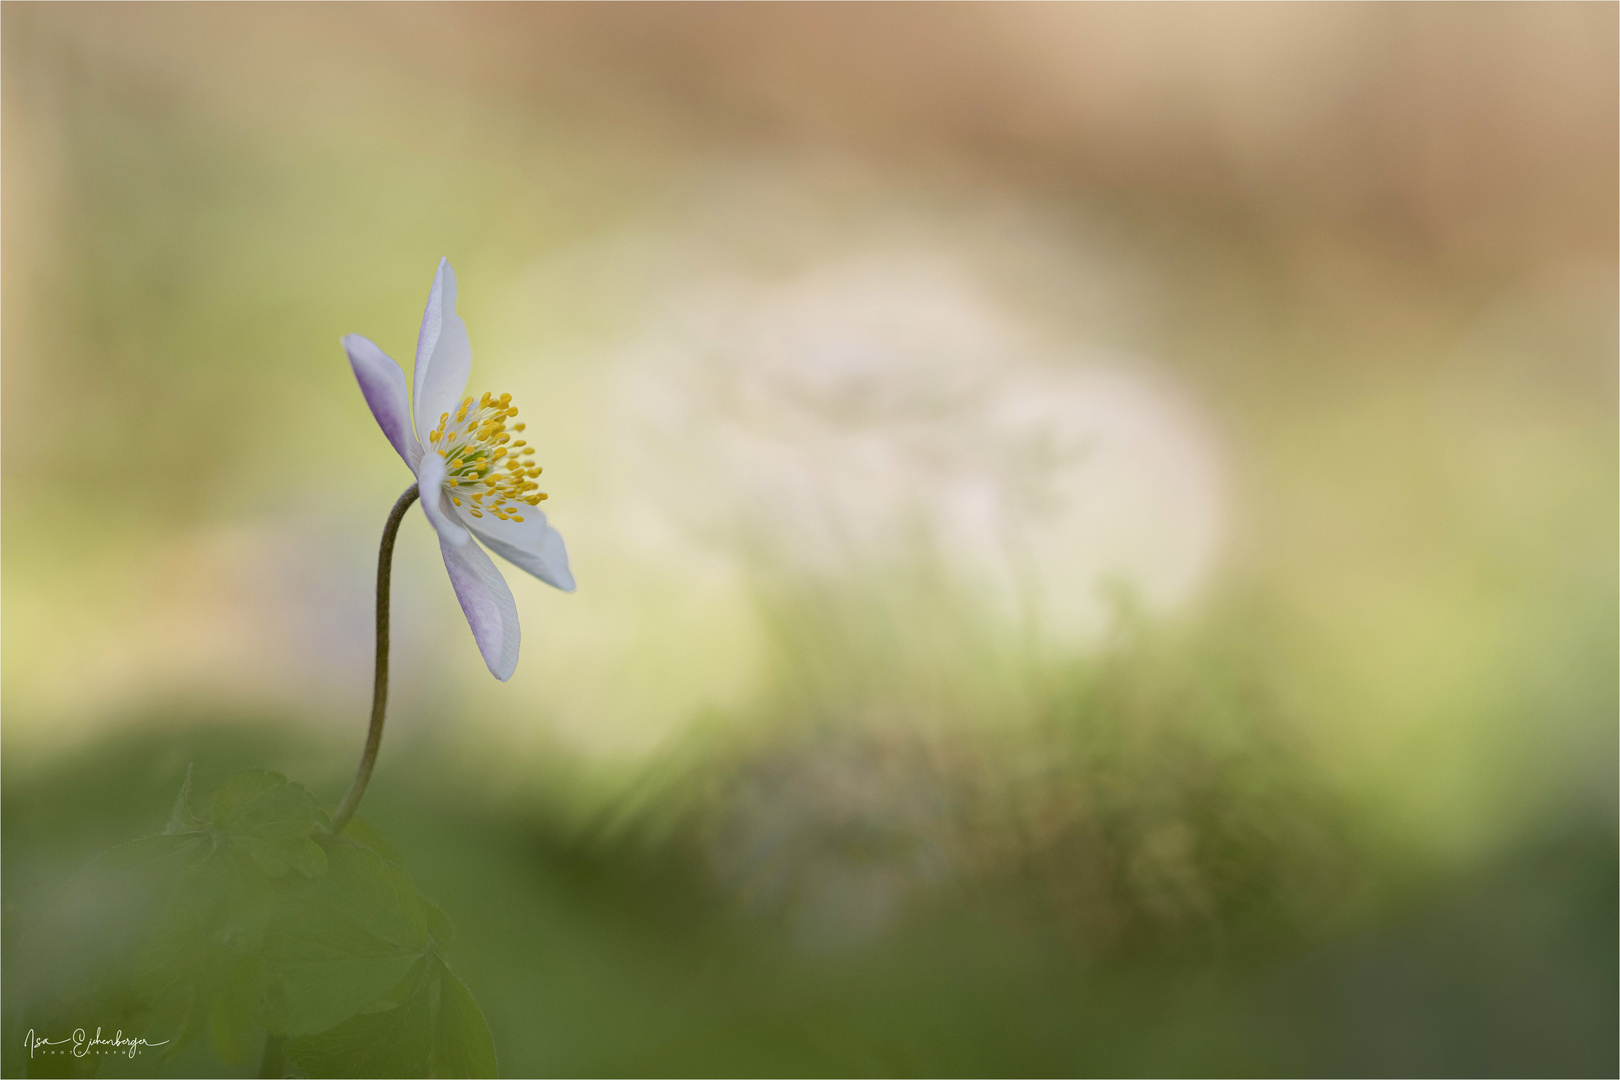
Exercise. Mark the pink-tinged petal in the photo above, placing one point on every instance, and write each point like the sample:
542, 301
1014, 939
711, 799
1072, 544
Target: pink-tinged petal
443, 354
383, 384
531, 544
436, 504
487, 603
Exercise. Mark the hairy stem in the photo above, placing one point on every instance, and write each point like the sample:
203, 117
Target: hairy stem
379, 689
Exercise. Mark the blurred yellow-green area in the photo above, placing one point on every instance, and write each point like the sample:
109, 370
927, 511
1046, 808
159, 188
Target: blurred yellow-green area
1096, 525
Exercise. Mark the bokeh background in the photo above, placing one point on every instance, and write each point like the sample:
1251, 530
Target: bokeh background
1095, 525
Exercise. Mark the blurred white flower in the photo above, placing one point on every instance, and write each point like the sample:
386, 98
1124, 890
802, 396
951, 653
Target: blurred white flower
834, 421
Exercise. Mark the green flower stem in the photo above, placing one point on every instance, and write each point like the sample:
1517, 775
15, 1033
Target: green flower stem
379, 691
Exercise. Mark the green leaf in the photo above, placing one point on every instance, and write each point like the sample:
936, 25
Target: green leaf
207, 891
429, 1025
403, 990
438, 923
220, 941
150, 851
200, 963
234, 1018
393, 1042
344, 940
273, 820
360, 830
461, 1041
181, 819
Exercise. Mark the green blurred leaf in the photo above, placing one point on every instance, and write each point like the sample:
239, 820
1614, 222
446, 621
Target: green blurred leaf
150, 850
339, 959
181, 819
402, 990
234, 1020
462, 1045
272, 819
359, 830
200, 964
393, 1042
344, 940
438, 923
428, 1025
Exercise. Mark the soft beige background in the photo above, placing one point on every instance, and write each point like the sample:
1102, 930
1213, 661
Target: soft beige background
1309, 306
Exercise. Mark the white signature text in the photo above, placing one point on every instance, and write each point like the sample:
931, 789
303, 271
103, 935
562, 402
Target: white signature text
78, 1045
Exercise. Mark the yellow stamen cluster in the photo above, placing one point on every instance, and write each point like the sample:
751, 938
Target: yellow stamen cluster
483, 462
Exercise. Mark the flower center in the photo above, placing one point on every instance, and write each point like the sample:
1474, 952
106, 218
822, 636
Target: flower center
483, 463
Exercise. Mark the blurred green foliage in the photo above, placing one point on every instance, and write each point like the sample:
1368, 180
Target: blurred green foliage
248, 926
1162, 889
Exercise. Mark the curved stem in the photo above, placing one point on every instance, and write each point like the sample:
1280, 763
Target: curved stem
379, 690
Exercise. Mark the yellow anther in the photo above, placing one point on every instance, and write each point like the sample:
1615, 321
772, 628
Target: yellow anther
475, 449
476, 513
455, 500
517, 518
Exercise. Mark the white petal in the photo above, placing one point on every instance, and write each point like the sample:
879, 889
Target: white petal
487, 603
443, 354
531, 544
435, 504
383, 384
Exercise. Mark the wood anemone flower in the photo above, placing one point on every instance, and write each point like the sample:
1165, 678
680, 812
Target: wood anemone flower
474, 471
